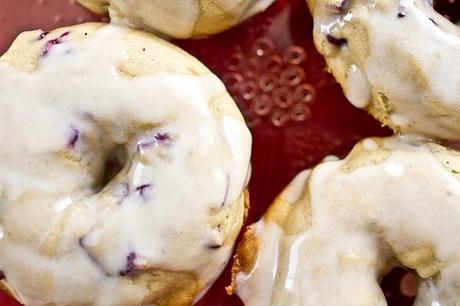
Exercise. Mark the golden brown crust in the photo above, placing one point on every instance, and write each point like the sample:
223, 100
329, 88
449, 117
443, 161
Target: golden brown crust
212, 19
359, 157
99, 7
423, 260
28, 47
143, 51
293, 218
245, 254
181, 20
168, 288
247, 203
245, 257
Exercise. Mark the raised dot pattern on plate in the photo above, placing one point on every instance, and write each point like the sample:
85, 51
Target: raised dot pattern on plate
270, 85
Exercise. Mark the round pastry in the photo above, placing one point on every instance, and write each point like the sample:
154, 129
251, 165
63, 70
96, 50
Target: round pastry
179, 18
398, 59
123, 167
336, 229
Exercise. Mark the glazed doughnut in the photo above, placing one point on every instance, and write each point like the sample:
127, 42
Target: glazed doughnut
398, 59
123, 169
179, 18
336, 229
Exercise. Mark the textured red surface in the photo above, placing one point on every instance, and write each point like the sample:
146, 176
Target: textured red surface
296, 111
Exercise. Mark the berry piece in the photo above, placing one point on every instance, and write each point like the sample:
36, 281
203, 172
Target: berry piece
144, 190
130, 265
402, 12
339, 42
50, 43
74, 136
158, 139
42, 35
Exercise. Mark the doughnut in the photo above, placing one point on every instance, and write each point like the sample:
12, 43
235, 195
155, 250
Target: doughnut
123, 170
338, 228
178, 19
397, 59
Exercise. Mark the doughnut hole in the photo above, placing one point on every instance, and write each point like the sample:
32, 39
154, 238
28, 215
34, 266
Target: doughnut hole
399, 286
448, 8
114, 162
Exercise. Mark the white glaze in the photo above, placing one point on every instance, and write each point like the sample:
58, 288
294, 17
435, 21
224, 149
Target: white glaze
48, 201
358, 92
389, 201
411, 61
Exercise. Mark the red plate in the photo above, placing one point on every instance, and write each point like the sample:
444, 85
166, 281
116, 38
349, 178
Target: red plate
296, 111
